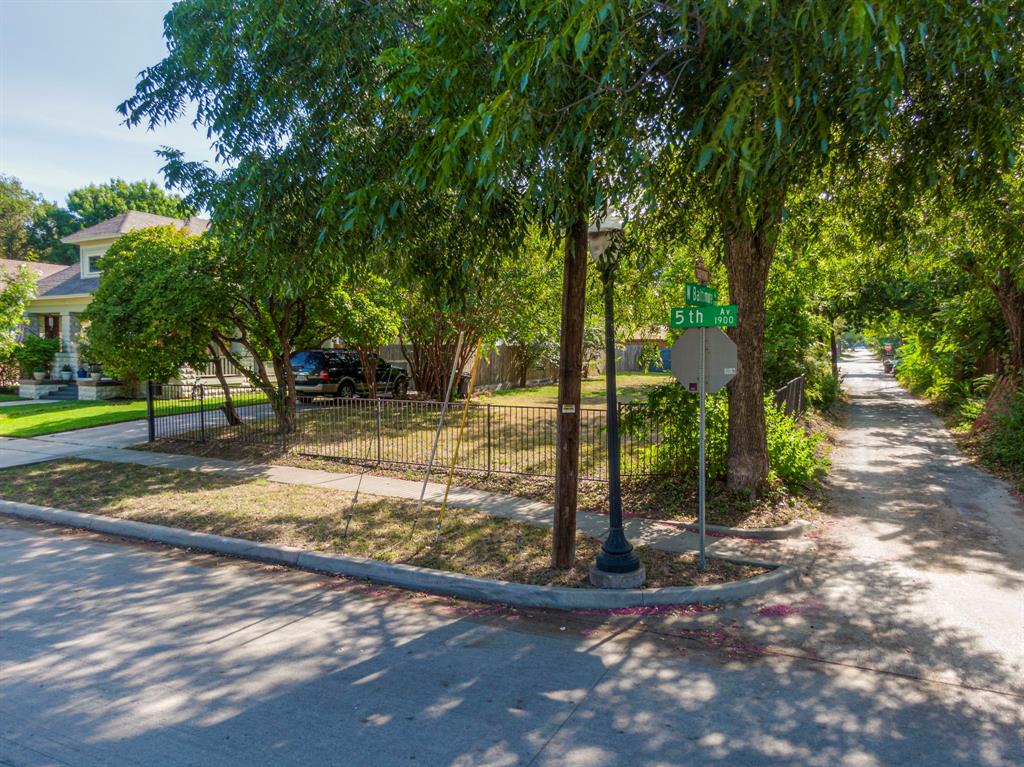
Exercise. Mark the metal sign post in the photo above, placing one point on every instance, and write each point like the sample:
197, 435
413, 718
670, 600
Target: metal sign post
704, 362
700, 450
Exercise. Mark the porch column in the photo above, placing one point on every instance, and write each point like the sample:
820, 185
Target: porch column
66, 340
74, 328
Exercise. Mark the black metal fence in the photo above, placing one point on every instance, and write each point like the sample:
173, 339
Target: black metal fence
503, 439
790, 398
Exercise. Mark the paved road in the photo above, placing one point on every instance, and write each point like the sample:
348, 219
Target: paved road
116, 653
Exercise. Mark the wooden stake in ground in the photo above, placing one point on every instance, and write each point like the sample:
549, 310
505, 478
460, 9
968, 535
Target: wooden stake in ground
458, 441
437, 434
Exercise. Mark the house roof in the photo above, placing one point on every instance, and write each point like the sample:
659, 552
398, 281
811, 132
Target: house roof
132, 220
67, 282
9, 267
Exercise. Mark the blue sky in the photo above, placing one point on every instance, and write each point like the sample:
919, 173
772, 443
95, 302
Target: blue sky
64, 67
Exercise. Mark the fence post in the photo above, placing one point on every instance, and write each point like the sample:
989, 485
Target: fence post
150, 420
379, 455
488, 437
202, 413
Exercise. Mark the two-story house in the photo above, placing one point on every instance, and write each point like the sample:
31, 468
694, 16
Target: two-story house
62, 295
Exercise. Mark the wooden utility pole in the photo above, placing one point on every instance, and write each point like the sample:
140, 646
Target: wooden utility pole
570, 372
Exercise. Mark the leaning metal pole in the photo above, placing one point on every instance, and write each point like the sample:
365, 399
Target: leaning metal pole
437, 434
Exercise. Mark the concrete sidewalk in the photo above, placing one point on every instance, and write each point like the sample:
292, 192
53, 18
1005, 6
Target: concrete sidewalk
107, 443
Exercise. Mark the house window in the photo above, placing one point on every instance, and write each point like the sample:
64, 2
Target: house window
90, 259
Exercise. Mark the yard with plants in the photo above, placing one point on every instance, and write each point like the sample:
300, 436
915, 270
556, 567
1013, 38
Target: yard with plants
315, 518
511, 450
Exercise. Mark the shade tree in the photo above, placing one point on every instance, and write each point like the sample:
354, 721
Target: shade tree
779, 94
509, 92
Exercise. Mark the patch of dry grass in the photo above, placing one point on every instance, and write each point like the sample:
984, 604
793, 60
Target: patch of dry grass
660, 498
315, 518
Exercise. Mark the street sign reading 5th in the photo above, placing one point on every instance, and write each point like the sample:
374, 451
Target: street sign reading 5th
704, 317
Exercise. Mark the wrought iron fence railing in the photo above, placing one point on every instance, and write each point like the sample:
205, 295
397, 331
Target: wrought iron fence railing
501, 439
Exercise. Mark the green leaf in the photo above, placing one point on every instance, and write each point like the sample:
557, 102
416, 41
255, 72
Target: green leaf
582, 41
705, 157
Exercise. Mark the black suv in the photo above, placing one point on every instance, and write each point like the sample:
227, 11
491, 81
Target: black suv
339, 373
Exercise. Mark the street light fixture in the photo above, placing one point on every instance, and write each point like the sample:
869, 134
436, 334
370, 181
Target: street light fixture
617, 565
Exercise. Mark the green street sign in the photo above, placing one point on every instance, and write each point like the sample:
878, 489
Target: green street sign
704, 317
700, 295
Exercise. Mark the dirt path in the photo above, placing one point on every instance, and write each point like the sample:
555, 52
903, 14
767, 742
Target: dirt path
921, 567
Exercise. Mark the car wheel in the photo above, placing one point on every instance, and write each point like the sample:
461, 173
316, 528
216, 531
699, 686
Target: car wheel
346, 390
402, 390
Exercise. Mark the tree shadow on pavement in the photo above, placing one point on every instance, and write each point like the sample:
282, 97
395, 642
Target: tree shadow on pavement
117, 652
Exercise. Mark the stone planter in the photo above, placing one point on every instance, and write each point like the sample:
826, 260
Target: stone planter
95, 376
39, 375
67, 375
32, 388
89, 389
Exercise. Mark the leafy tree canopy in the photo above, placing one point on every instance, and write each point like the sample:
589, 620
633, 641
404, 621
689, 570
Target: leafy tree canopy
16, 290
97, 202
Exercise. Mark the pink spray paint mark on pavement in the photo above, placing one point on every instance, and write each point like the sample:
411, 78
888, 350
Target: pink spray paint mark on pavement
646, 610
782, 610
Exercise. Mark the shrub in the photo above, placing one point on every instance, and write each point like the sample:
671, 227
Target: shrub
1005, 442
792, 452
827, 393
35, 353
673, 411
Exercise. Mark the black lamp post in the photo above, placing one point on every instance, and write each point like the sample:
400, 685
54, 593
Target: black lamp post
617, 565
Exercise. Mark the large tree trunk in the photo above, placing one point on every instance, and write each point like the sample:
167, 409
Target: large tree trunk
748, 254
570, 369
1011, 303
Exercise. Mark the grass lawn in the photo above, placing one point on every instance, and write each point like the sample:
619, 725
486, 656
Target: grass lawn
66, 415
314, 518
9, 397
47, 418
630, 387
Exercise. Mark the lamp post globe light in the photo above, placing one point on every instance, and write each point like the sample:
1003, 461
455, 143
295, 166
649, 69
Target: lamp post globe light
617, 565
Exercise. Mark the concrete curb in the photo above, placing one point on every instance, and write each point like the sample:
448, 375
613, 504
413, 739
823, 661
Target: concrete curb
793, 529
417, 578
